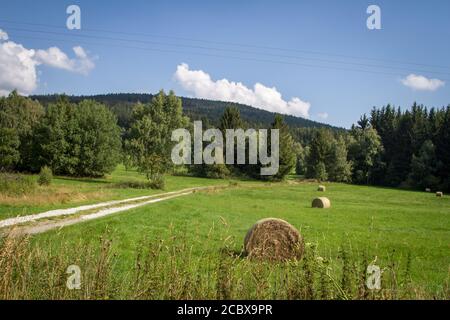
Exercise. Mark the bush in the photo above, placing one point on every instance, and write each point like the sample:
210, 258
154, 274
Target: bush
158, 182
217, 171
45, 176
15, 184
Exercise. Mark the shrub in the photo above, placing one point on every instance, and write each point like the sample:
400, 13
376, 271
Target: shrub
15, 184
158, 182
217, 171
45, 176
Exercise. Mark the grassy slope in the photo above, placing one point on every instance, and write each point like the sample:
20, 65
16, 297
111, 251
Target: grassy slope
69, 192
382, 221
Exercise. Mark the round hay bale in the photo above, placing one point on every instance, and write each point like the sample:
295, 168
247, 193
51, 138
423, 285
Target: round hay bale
322, 188
321, 202
427, 190
273, 239
439, 194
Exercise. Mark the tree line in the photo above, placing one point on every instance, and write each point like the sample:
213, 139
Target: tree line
391, 147
86, 138
80, 139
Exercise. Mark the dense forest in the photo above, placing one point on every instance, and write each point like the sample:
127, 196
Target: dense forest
208, 111
409, 149
89, 137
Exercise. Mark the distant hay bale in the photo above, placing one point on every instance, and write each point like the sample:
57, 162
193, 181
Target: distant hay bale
439, 194
427, 190
322, 188
273, 239
321, 202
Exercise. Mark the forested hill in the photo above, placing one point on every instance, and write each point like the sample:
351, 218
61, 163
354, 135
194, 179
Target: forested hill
197, 109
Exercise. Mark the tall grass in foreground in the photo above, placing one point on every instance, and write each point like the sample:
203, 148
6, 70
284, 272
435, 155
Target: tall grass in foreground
169, 269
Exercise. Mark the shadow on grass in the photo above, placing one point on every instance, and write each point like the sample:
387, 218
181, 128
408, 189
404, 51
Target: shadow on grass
85, 180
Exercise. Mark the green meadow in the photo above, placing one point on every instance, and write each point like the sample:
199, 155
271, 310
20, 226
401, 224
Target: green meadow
379, 222
67, 192
395, 229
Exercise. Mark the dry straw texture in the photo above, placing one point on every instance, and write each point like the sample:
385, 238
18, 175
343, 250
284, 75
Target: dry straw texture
321, 202
273, 239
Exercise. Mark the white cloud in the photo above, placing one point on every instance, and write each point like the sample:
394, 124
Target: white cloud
201, 84
3, 35
418, 82
18, 65
54, 57
322, 115
17, 69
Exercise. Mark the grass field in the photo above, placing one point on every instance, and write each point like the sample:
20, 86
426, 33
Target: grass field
405, 228
66, 192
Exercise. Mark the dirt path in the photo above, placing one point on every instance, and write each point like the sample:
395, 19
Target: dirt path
110, 207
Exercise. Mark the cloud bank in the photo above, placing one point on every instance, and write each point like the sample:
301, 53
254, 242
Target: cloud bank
202, 86
18, 65
422, 83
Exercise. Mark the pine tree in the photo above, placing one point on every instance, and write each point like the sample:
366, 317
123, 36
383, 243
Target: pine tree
287, 155
443, 149
423, 168
399, 165
301, 154
319, 154
231, 119
363, 122
320, 171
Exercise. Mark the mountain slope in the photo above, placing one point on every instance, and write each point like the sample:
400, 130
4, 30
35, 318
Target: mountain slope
197, 109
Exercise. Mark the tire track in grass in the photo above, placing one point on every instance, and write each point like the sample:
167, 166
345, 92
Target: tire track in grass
112, 207
49, 225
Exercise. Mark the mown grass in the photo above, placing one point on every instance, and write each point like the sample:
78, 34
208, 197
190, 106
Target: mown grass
395, 228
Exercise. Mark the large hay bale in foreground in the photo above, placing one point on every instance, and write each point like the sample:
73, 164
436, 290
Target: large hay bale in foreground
273, 239
321, 202
322, 188
439, 194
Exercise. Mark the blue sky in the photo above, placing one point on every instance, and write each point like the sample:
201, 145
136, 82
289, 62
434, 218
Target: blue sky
321, 41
